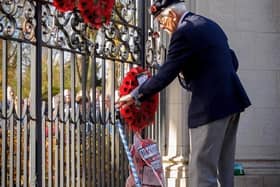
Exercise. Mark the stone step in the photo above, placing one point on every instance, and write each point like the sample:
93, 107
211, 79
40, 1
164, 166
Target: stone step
257, 181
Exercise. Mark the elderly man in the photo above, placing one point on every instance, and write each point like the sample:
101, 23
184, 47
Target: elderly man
199, 54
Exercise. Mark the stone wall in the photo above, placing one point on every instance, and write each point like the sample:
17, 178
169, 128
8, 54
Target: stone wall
253, 29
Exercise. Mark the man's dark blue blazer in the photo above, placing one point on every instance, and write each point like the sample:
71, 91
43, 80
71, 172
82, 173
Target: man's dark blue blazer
199, 50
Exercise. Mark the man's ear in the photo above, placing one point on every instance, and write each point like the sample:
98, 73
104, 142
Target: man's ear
173, 15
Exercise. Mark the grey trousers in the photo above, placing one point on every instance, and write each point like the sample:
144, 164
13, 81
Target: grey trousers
212, 150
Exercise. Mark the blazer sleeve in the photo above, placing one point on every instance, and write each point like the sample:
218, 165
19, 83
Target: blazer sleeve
178, 53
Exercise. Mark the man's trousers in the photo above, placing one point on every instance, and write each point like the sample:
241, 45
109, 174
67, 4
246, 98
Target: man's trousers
212, 153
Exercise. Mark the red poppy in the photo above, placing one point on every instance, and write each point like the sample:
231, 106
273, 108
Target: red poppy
85, 4
155, 34
153, 9
95, 14
137, 117
107, 10
64, 5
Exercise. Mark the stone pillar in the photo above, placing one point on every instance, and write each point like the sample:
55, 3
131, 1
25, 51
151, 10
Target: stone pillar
176, 160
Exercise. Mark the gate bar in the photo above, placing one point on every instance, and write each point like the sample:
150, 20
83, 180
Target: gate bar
36, 90
4, 112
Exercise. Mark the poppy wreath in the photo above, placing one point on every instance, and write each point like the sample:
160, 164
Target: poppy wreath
93, 12
137, 117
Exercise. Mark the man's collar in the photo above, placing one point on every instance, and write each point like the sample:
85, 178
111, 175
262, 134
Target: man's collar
181, 21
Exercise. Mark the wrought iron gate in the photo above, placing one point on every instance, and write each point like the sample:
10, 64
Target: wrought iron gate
59, 83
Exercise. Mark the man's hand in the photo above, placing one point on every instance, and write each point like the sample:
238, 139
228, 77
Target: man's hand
125, 101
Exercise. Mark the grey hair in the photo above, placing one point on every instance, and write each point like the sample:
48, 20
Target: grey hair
179, 8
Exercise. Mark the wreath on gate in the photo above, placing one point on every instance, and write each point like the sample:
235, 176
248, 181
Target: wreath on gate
93, 12
137, 116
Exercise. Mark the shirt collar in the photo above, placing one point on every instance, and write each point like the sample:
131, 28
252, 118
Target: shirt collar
180, 23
